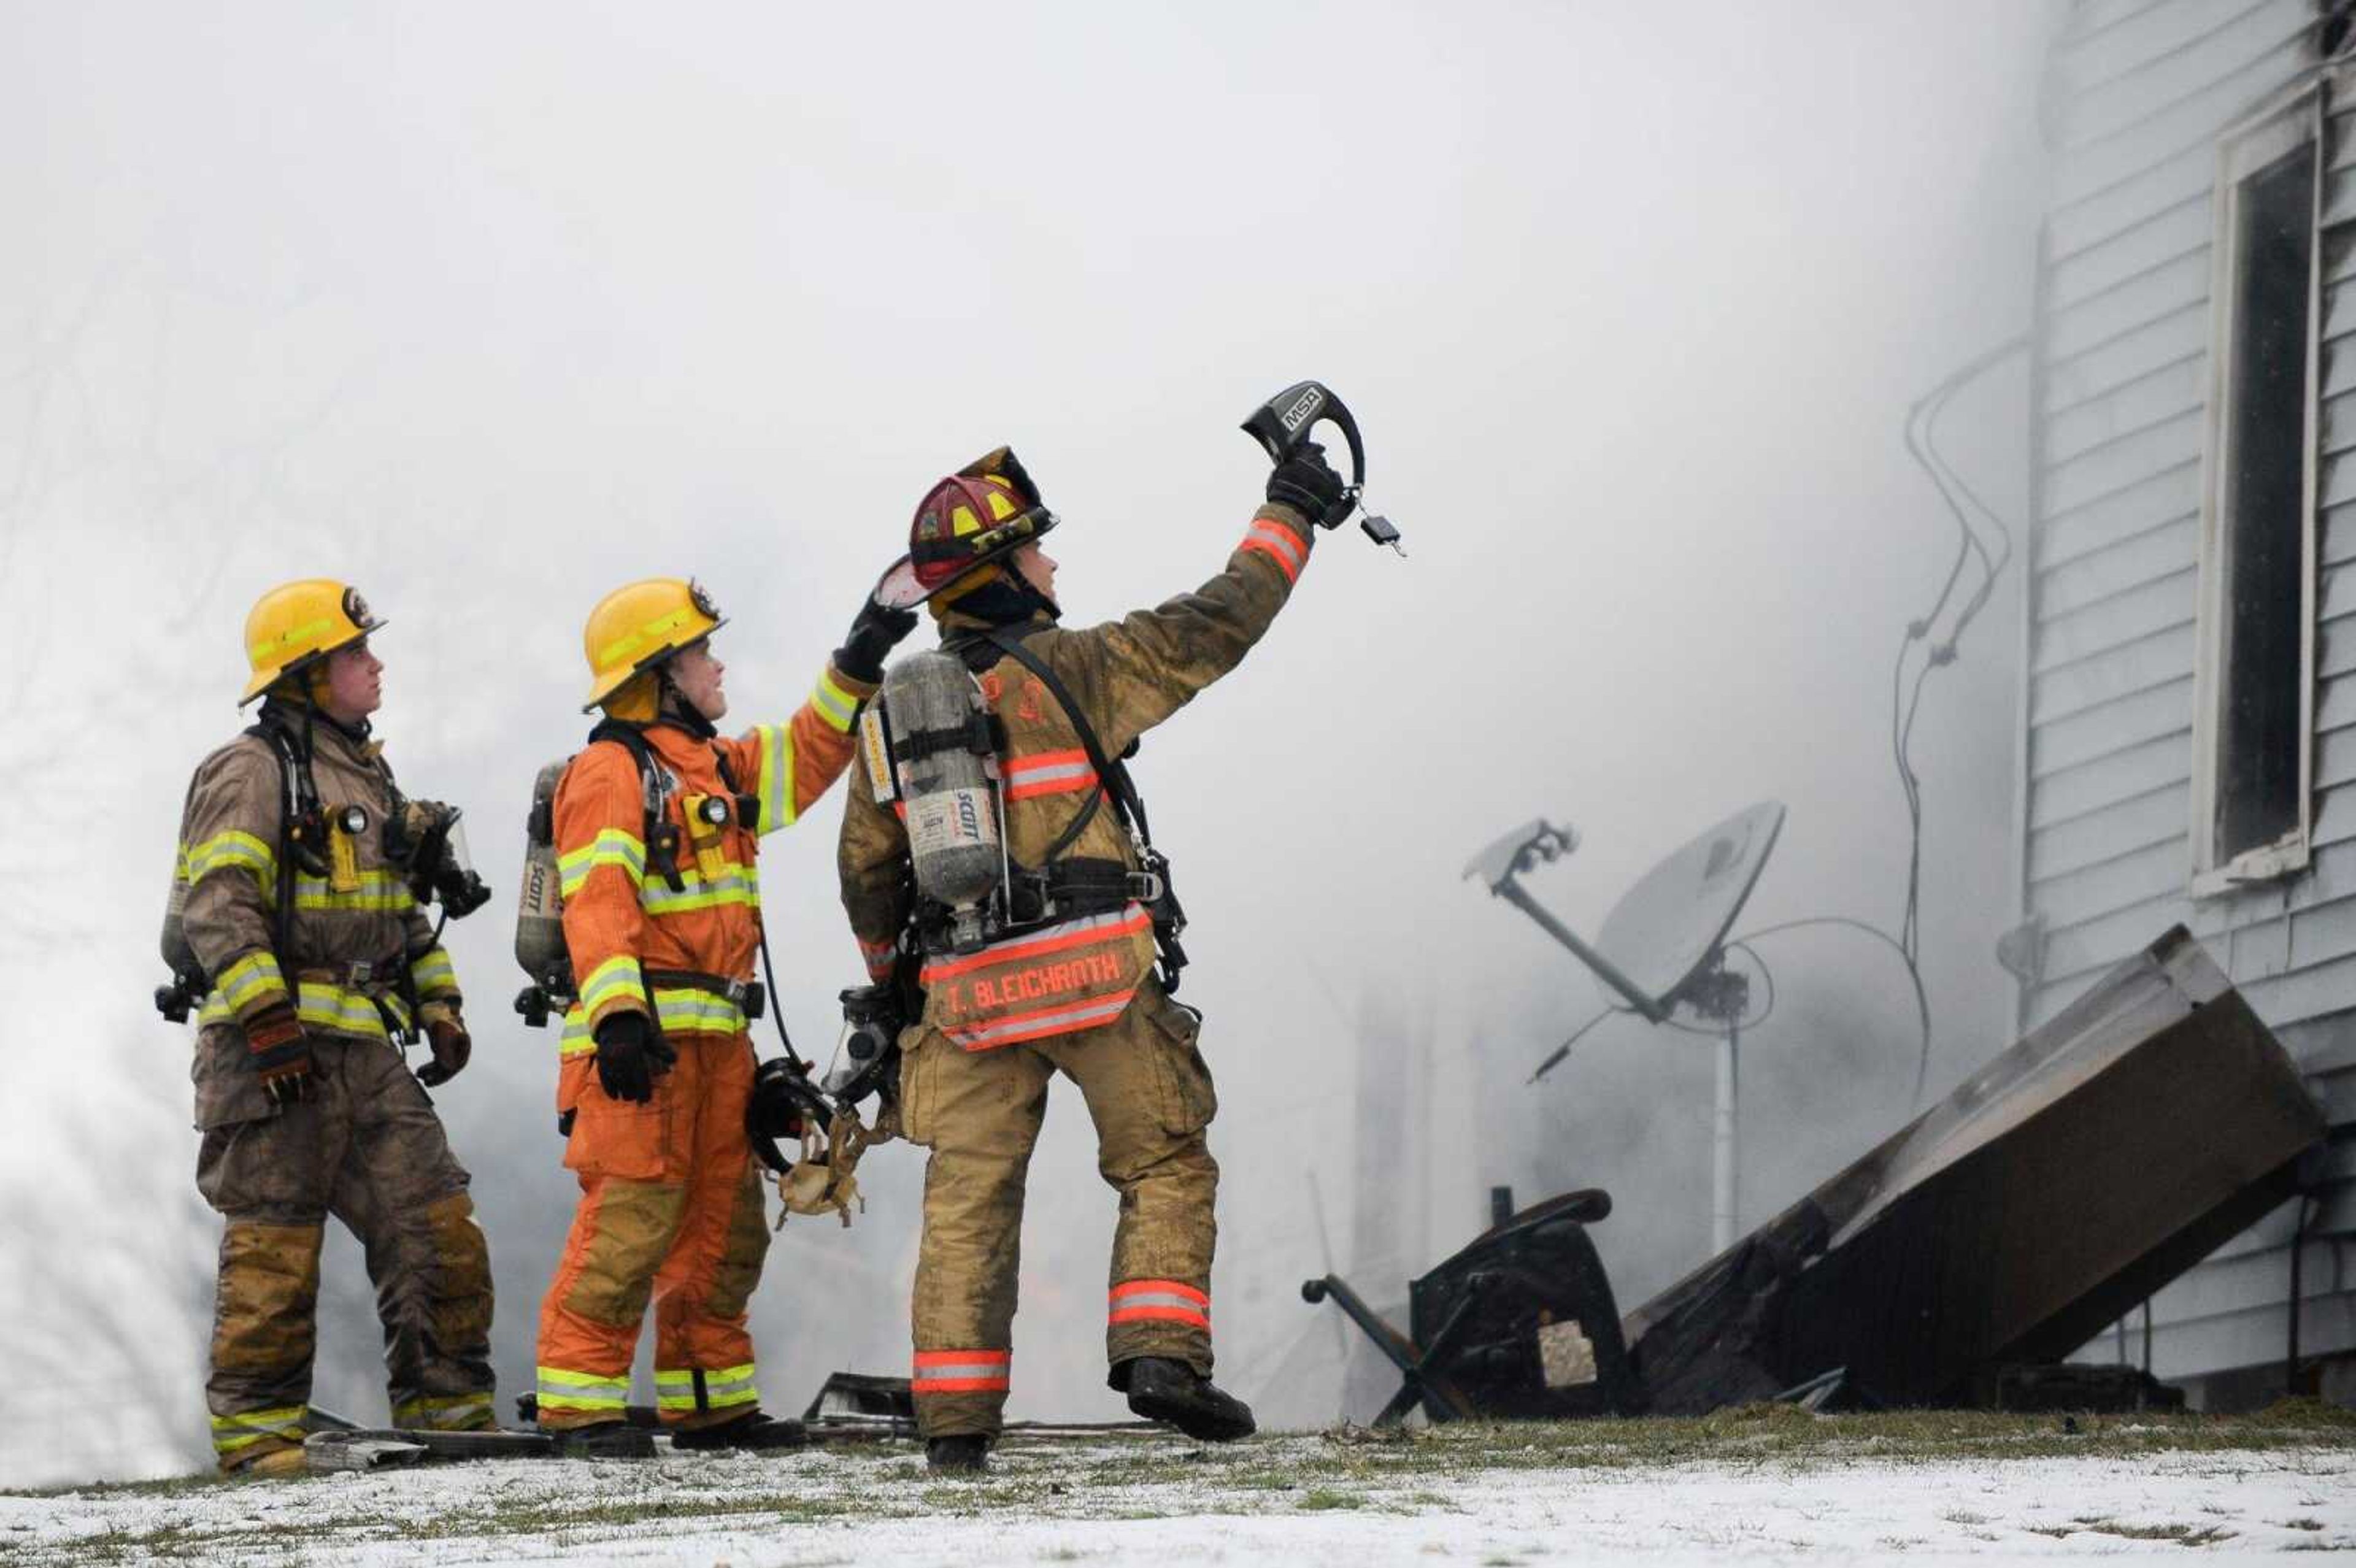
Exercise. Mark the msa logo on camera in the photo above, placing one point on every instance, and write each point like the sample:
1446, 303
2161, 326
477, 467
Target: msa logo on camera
1305, 408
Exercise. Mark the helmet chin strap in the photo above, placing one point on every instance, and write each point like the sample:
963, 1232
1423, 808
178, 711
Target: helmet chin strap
1038, 596
672, 703
1031, 595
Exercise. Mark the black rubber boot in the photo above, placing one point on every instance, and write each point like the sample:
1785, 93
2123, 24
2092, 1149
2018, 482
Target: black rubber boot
967, 1454
605, 1440
751, 1430
1176, 1395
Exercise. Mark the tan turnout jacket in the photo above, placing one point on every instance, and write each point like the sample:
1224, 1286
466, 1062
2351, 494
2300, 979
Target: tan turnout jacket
356, 932
1127, 675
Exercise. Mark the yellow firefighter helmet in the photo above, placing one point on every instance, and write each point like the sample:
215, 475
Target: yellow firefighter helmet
638, 626
296, 625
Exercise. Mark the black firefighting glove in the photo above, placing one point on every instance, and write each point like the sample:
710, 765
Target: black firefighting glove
1305, 482
877, 632
445, 1033
631, 1054
282, 1056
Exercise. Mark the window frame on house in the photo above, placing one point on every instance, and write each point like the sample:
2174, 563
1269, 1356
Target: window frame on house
2251, 145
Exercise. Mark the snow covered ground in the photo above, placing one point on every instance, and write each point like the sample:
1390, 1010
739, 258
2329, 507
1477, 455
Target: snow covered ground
1496, 1496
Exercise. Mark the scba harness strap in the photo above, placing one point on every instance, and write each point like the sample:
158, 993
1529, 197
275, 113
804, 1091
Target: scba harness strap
1088, 881
303, 831
656, 785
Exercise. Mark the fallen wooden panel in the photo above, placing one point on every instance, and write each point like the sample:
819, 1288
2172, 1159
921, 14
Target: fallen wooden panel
2067, 1180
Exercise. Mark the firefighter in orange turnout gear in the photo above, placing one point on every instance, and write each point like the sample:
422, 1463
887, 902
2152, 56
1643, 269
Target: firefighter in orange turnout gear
663, 929
1069, 988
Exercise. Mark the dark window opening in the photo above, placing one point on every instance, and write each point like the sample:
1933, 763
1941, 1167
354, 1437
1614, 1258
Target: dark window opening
2260, 740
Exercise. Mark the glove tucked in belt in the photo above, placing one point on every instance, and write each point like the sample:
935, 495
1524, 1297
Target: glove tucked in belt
281, 1054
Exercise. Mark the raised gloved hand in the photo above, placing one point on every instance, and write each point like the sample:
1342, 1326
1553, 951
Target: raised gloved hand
877, 632
1305, 482
282, 1056
631, 1054
445, 1034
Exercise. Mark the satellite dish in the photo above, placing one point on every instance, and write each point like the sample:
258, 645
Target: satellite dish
1663, 946
1667, 930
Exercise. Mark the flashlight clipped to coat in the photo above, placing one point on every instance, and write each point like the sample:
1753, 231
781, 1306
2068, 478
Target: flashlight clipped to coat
1283, 423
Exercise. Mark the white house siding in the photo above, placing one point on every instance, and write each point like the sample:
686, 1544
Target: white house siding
2137, 95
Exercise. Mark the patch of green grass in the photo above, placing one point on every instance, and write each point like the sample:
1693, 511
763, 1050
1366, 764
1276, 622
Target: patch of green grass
1317, 1499
2182, 1534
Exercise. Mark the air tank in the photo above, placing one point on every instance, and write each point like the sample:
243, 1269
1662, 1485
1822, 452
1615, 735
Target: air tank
946, 775
539, 906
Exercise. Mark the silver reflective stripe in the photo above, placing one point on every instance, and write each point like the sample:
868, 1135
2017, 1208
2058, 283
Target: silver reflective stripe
728, 1390
1030, 775
725, 1386
1024, 943
1034, 1023
444, 1413
578, 1391
697, 1012
736, 885
1161, 1298
960, 1371
777, 781
1280, 540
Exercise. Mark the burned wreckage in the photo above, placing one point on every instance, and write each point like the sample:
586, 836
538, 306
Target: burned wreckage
2070, 1178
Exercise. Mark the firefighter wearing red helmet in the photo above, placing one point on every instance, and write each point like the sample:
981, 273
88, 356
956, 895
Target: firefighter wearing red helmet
1070, 981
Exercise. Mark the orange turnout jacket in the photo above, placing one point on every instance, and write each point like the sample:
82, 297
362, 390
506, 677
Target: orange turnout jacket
623, 918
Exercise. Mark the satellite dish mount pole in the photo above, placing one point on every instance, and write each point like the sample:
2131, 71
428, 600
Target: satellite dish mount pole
1722, 996
1672, 928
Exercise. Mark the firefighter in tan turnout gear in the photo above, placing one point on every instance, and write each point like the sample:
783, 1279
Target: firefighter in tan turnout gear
1067, 980
298, 923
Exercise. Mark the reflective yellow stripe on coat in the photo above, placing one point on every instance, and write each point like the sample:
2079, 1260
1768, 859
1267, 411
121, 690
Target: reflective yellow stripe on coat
336, 1009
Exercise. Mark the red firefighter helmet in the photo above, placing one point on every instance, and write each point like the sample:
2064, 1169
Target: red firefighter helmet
982, 513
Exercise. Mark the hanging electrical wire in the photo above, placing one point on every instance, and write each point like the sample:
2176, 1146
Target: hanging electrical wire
1963, 505
1961, 502
1913, 975
1555, 1057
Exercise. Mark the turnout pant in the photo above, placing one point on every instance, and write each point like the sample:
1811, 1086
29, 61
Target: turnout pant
368, 1149
671, 1209
1150, 1097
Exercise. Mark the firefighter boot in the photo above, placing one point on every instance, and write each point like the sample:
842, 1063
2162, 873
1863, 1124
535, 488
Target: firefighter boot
967, 1454
1175, 1393
603, 1440
276, 1465
751, 1430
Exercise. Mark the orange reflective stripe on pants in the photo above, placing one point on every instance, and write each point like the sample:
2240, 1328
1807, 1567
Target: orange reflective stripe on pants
1160, 1301
959, 1371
